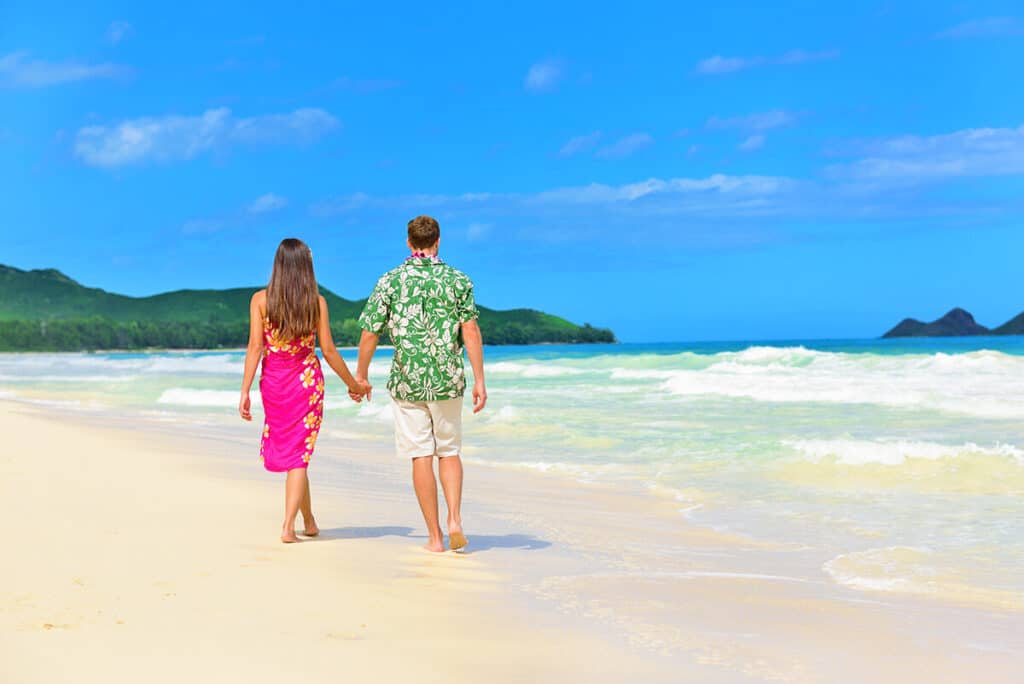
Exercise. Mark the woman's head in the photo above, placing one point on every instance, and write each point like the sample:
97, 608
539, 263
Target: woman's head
293, 304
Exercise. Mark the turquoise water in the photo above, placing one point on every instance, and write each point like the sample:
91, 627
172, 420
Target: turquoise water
899, 462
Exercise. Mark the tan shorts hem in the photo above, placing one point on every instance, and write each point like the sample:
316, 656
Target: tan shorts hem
428, 428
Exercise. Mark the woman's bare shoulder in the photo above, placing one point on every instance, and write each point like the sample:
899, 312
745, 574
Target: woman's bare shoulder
260, 296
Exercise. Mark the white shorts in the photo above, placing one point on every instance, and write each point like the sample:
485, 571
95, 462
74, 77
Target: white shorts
428, 428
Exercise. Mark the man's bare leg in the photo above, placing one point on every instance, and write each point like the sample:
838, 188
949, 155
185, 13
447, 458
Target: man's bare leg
306, 506
425, 484
450, 470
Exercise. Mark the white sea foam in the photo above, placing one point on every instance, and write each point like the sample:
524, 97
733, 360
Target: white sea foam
984, 384
897, 452
377, 410
506, 414
642, 374
186, 396
63, 366
916, 570
531, 370
67, 378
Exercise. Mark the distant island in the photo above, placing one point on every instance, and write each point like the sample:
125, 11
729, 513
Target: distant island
45, 310
956, 323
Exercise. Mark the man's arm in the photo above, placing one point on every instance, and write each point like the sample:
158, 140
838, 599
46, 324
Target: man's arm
474, 342
367, 346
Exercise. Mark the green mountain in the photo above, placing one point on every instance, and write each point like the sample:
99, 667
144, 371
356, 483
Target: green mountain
47, 310
1014, 326
956, 323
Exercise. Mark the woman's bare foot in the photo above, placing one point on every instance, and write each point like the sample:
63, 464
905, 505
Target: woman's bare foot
288, 536
310, 528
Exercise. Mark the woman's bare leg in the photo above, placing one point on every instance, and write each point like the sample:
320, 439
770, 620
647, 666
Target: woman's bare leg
309, 523
295, 487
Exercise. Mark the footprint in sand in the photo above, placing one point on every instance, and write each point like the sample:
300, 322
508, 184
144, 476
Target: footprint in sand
51, 625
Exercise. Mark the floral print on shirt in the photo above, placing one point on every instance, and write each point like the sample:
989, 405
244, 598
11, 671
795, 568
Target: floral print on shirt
423, 304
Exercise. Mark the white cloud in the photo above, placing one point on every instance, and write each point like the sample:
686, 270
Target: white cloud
580, 143
717, 192
758, 121
118, 31
253, 212
302, 126
878, 183
985, 28
17, 69
478, 231
724, 65
910, 158
267, 203
754, 142
543, 76
623, 147
718, 184
175, 138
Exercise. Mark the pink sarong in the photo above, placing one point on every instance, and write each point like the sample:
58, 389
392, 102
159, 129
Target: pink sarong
292, 387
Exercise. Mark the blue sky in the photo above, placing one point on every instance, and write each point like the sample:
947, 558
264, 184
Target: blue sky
672, 170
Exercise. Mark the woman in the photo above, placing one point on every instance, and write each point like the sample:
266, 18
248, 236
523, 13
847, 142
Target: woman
285, 320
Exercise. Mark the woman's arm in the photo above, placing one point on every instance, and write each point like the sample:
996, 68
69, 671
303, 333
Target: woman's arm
333, 358
253, 352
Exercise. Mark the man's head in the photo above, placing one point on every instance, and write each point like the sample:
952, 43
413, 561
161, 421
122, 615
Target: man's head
424, 234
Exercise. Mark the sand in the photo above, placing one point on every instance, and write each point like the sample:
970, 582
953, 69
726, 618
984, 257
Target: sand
140, 553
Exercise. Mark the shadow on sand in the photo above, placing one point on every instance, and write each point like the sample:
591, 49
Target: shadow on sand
487, 542
477, 542
366, 532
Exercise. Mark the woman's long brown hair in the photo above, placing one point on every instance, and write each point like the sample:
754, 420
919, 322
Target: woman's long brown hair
293, 304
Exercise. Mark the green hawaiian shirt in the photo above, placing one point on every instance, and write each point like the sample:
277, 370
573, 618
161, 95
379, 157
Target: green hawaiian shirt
423, 304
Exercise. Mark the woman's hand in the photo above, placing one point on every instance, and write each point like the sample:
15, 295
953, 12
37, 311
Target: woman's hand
243, 406
360, 389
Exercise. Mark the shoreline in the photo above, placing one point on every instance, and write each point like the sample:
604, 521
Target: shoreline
544, 551
162, 561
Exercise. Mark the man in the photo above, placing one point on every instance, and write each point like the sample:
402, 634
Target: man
429, 312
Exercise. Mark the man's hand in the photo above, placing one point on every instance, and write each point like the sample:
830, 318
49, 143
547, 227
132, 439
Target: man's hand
364, 389
244, 406
479, 397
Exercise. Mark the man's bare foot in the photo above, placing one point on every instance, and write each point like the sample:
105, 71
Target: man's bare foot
311, 530
456, 539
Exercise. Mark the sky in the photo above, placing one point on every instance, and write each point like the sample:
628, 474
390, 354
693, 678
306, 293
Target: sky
674, 171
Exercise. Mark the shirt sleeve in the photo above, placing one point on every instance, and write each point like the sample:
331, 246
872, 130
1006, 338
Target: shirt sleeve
375, 313
466, 308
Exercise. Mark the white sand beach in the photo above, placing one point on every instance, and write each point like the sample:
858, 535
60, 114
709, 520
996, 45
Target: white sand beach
138, 553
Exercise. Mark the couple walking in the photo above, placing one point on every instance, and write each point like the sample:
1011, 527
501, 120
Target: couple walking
428, 311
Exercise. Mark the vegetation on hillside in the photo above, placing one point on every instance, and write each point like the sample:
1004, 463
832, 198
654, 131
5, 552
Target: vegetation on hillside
44, 310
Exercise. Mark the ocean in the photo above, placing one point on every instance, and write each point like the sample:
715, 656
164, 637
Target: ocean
897, 464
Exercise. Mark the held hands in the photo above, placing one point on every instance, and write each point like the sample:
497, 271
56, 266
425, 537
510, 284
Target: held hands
362, 388
479, 396
244, 406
